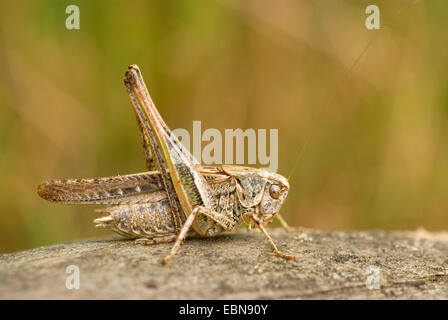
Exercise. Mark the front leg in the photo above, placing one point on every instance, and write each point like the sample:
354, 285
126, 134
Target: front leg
287, 227
278, 253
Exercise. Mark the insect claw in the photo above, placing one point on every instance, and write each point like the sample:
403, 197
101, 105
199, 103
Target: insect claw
285, 256
165, 260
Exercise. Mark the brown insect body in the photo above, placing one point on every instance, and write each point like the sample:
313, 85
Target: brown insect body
140, 206
177, 197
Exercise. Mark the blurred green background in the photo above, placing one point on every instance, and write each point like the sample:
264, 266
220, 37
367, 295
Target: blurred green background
378, 158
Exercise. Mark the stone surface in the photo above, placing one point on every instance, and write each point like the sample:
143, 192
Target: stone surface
240, 265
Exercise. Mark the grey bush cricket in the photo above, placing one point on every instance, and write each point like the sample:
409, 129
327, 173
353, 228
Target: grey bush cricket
177, 197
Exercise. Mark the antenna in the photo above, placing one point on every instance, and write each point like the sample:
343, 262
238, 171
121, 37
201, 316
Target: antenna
321, 114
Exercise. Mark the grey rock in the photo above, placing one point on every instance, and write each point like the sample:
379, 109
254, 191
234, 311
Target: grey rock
240, 265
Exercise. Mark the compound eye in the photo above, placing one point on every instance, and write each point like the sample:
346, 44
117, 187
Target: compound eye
275, 191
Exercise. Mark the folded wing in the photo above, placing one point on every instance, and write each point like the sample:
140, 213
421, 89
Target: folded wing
133, 188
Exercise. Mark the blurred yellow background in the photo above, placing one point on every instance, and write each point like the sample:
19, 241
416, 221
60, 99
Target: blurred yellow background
378, 158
